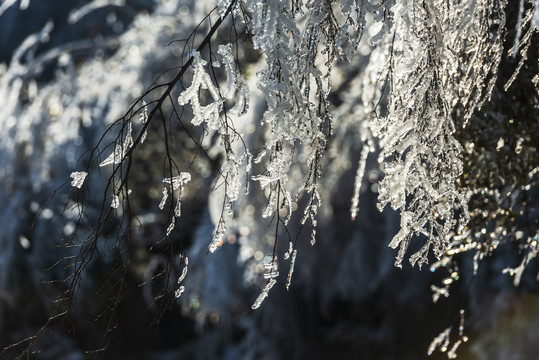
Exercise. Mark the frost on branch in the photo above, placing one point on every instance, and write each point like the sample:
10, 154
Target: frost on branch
443, 341
175, 183
270, 274
235, 82
201, 80
115, 203
218, 237
417, 133
528, 19
143, 119
213, 117
291, 270
532, 248
432, 65
428, 67
120, 151
181, 288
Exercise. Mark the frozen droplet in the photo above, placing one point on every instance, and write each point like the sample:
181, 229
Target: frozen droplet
171, 226
164, 198
115, 202
25, 243
500, 144
179, 291
78, 178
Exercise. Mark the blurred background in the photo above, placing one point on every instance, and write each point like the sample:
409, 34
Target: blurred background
68, 70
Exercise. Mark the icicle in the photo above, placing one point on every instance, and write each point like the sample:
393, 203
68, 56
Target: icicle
201, 80
230, 171
289, 252
263, 295
178, 181
143, 137
120, 150
313, 233
218, 238
164, 199
291, 271
171, 225
178, 207
359, 179
179, 291
242, 101
231, 76
114, 158
143, 118
269, 210
518, 29
184, 270
128, 142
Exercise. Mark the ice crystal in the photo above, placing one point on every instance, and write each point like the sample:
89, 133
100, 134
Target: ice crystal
178, 181
417, 134
175, 183
289, 252
179, 291
120, 151
425, 69
181, 288
442, 341
231, 76
528, 20
115, 202
271, 273
264, 294
532, 253
184, 270
78, 178
201, 80
218, 237
171, 225
164, 198
359, 178
143, 118
291, 271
